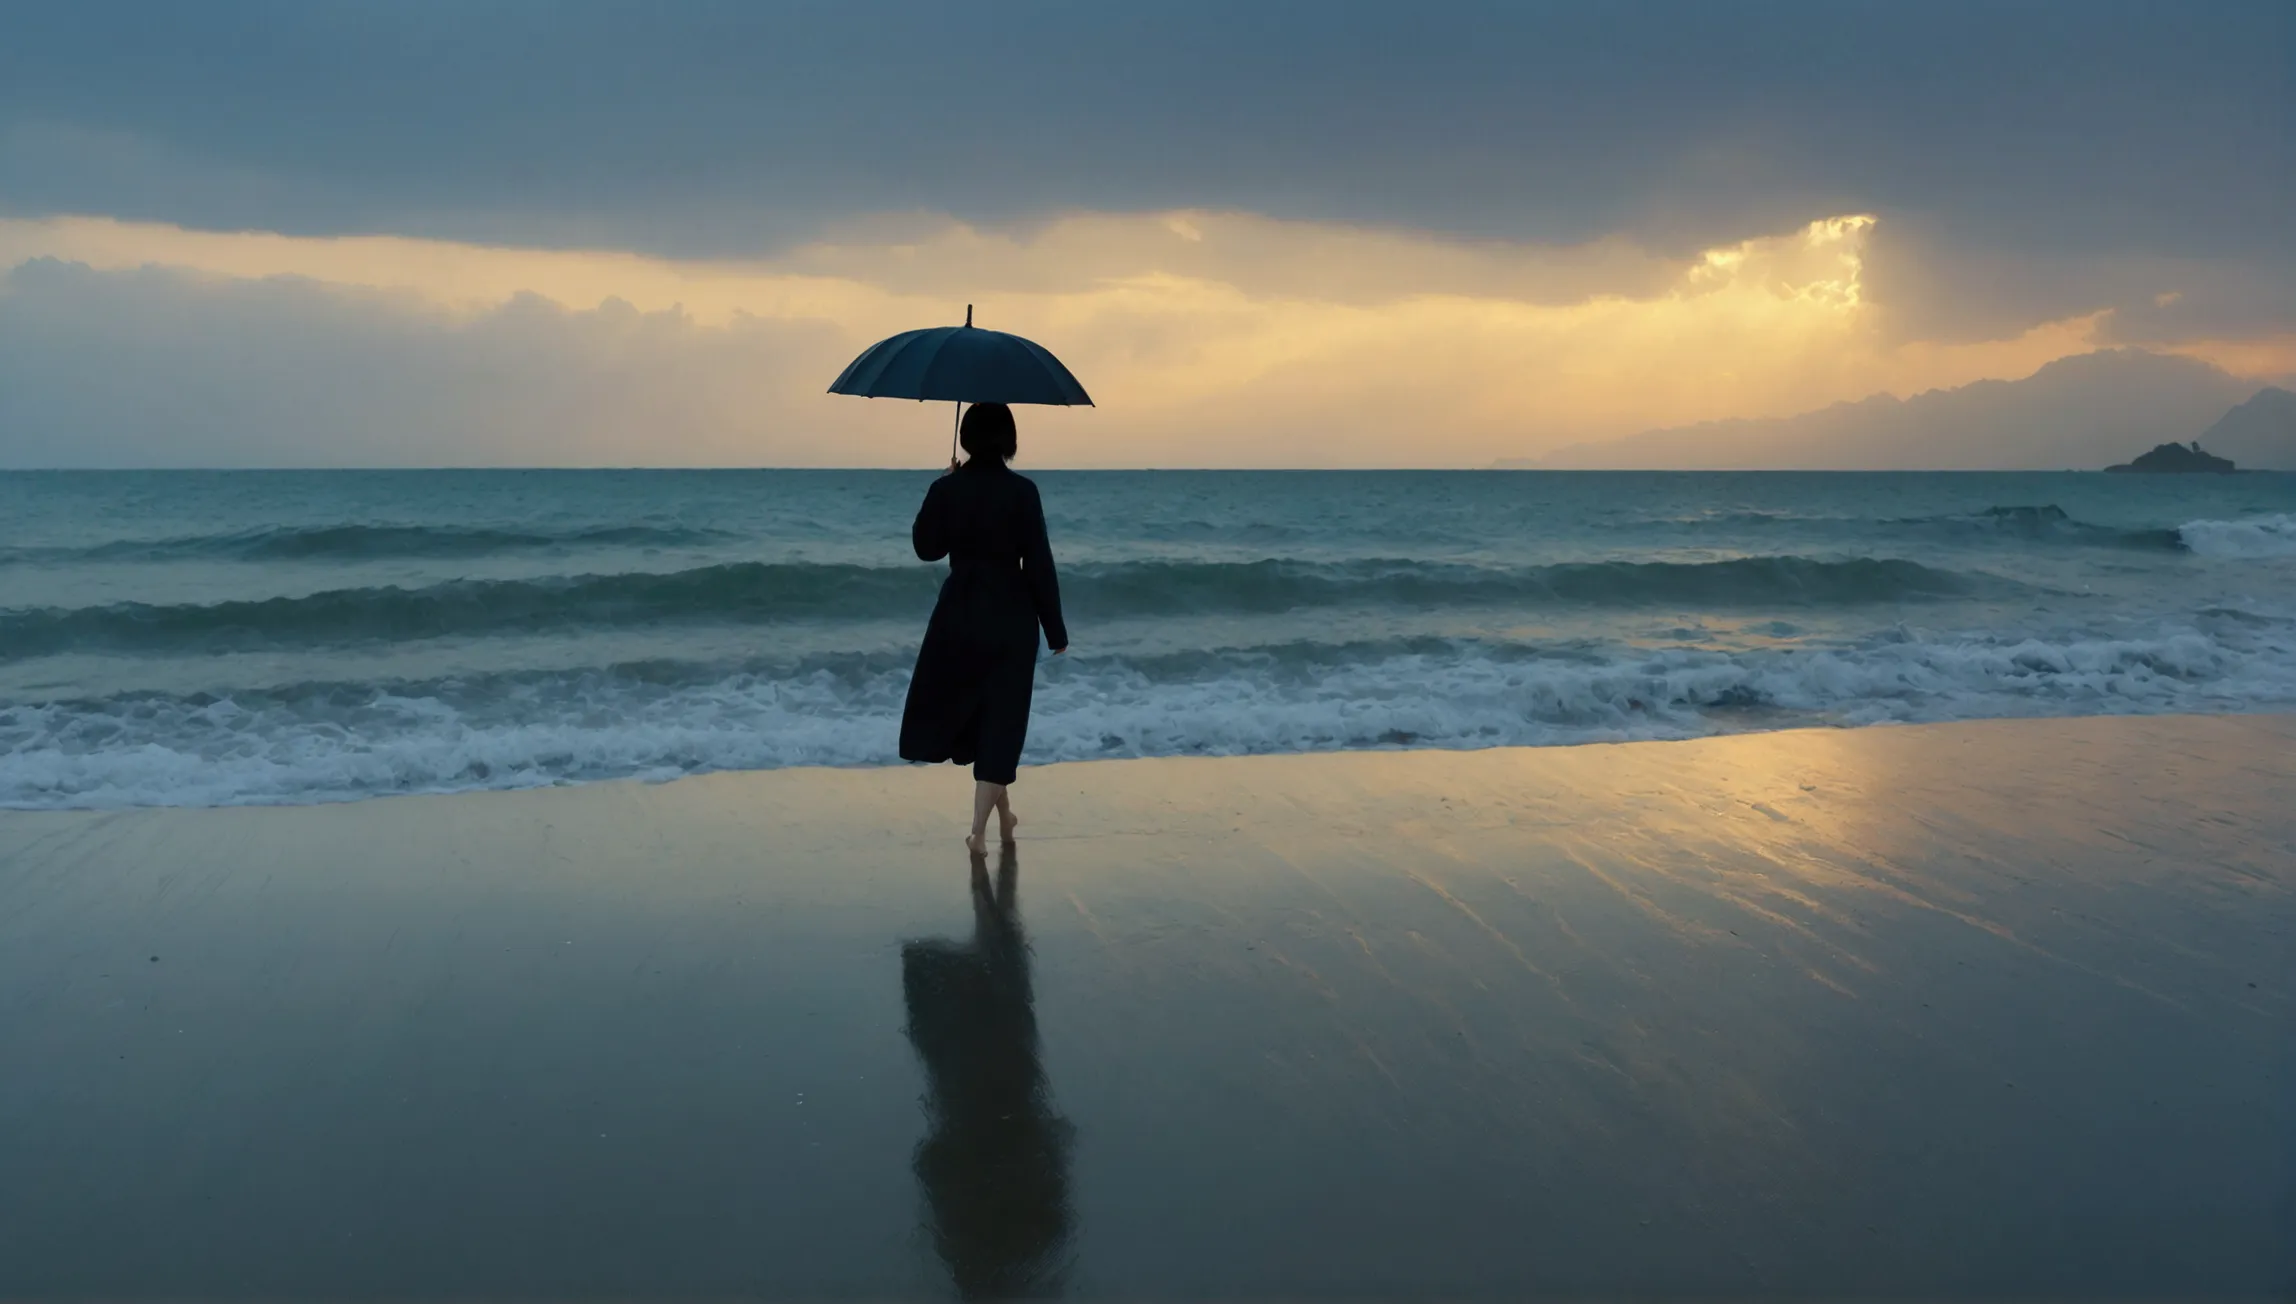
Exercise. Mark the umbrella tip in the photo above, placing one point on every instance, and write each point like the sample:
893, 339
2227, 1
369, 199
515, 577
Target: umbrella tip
968, 314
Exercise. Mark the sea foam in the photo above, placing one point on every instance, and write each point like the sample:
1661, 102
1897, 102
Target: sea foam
331, 741
2248, 538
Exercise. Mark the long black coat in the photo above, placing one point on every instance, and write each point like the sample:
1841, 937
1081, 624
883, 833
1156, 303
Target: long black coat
968, 701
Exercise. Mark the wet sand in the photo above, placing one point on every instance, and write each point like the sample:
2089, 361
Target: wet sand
1994, 1010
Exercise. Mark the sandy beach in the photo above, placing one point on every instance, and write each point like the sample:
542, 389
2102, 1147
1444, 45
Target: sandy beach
1992, 1009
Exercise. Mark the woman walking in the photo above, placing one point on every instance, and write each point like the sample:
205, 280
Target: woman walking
968, 701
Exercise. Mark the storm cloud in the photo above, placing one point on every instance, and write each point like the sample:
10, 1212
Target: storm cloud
1348, 214
707, 128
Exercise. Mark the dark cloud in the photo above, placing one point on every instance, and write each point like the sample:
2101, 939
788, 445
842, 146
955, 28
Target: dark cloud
2096, 126
1929, 287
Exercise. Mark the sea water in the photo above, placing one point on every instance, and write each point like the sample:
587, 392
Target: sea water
197, 638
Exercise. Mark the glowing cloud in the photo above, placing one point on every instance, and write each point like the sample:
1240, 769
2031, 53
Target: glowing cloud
1208, 338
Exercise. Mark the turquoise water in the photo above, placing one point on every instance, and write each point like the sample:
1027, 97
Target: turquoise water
229, 637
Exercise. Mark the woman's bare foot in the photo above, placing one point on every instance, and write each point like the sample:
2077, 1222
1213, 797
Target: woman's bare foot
987, 797
1006, 823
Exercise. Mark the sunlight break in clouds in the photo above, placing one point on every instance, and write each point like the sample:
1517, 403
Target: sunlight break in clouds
1208, 338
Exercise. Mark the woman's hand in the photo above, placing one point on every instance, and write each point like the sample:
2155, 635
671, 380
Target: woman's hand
1058, 650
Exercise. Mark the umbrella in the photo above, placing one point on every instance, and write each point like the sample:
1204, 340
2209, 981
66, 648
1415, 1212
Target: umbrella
961, 364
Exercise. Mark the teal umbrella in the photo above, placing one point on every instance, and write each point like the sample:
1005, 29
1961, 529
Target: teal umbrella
961, 364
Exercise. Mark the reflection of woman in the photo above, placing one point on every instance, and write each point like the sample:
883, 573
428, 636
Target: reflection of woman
968, 701
994, 1164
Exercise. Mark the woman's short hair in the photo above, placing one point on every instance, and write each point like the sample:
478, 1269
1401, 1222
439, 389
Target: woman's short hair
987, 431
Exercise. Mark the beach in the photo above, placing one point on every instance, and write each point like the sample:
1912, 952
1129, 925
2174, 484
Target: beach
1996, 1009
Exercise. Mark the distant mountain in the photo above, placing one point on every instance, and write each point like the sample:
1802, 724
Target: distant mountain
2259, 434
2077, 412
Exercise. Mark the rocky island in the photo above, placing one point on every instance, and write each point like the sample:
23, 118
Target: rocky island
2177, 458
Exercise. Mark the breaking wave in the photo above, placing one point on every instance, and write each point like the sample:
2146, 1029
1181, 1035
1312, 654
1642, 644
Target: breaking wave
327, 741
2253, 537
2050, 523
759, 592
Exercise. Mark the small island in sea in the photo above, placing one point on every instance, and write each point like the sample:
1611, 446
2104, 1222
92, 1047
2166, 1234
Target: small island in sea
2177, 458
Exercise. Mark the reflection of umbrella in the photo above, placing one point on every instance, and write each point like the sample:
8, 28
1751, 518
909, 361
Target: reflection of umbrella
961, 364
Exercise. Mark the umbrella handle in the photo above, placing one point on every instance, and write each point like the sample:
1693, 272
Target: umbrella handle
957, 421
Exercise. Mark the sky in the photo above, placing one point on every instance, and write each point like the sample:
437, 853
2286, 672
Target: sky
1346, 234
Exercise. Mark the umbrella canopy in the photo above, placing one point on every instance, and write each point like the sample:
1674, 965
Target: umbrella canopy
963, 364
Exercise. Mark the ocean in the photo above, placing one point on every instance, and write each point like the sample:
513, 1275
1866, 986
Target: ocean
219, 638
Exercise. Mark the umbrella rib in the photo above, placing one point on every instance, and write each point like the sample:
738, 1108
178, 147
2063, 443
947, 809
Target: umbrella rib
857, 377
862, 377
1058, 371
915, 338
925, 376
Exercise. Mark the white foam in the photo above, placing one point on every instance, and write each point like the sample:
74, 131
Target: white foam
331, 745
2251, 537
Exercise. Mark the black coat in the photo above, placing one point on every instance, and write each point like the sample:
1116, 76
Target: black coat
968, 701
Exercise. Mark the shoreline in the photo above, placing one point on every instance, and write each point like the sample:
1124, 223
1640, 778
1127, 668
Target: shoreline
1028, 768
1982, 1009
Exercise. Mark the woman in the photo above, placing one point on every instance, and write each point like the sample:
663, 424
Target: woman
968, 701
